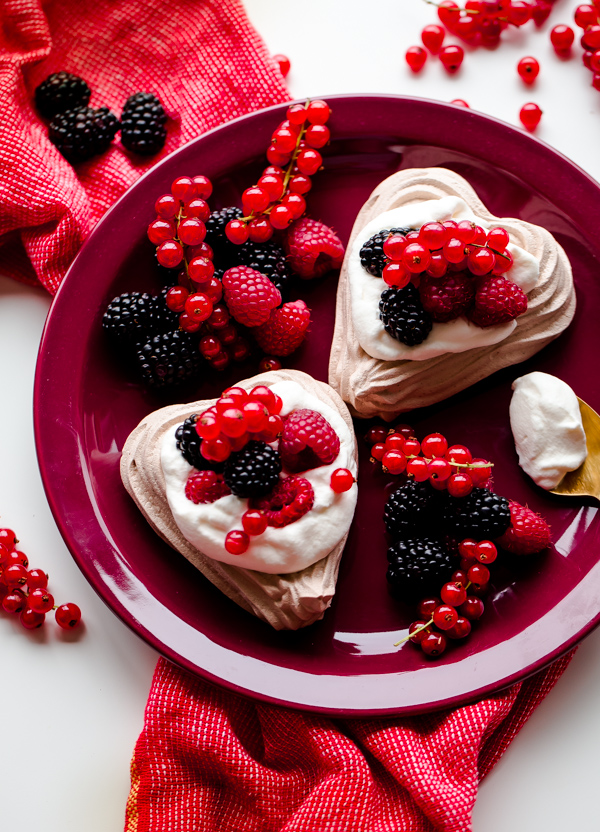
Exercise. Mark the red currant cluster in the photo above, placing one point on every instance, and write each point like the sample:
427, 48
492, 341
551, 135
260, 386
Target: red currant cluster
178, 232
451, 615
587, 18
277, 199
24, 591
441, 246
450, 468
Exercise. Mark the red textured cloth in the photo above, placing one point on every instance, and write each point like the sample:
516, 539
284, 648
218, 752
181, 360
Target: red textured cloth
211, 761
201, 57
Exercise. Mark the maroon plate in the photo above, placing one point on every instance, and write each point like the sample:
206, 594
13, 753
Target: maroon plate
86, 405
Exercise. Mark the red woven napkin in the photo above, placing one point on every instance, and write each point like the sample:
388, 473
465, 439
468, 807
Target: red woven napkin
211, 761
208, 759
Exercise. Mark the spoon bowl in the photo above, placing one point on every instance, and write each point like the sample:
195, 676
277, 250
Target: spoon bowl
585, 480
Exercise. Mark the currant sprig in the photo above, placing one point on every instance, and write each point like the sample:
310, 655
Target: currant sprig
277, 199
445, 467
438, 247
24, 592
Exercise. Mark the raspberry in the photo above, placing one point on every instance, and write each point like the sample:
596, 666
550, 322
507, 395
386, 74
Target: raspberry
82, 133
205, 487
313, 248
308, 441
448, 297
250, 295
527, 533
497, 300
60, 92
285, 330
291, 498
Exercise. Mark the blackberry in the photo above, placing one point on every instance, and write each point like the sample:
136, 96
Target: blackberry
82, 133
225, 251
418, 567
253, 471
60, 92
482, 515
403, 316
188, 443
168, 359
408, 510
372, 257
143, 124
268, 259
130, 317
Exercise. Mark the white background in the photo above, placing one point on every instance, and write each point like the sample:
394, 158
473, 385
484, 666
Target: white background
72, 707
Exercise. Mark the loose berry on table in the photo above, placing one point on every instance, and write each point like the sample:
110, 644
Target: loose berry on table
530, 115
415, 58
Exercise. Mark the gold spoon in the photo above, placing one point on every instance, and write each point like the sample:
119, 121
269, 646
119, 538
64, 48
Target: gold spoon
585, 480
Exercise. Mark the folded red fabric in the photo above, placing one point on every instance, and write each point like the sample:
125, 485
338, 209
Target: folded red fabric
212, 761
201, 57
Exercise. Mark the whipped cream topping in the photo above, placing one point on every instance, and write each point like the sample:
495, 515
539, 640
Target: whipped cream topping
454, 336
276, 551
547, 428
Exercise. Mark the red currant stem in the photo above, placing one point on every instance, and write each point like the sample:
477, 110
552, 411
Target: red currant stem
461, 11
414, 633
288, 172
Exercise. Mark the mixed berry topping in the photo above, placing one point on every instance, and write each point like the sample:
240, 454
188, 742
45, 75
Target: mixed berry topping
446, 527
241, 445
440, 272
229, 268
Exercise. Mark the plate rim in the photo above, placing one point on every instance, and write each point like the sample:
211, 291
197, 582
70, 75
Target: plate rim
468, 119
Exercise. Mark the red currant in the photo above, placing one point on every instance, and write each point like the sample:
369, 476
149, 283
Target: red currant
256, 199
426, 606
198, 306
528, 68
237, 542
453, 594
459, 485
530, 115
272, 184
15, 575
159, 231
454, 250
433, 644
254, 522
296, 114
449, 13
394, 461
31, 620
284, 64
237, 231
14, 601
341, 480
208, 425
472, 608
309, 161
416, 257
439, 469
416, 57
198, 208
433, 37
438, 265
481, 261
201, 187
460, 102
377, 452
276, 157
295, 203
519, 12
166, 206
67, 616
417, 631
40, 600
467, 548
37, 578
486, 552
260, 230
433, 235
461, 628
169, 254
396, 274
459, 453
585, 15
233, 423
418, 469
452, 57
183, 189
318, 112
394, 442
201, 269
376, 434
317, 135
281, 216
434, 445
480, 472
562, 38
299, 184
268, 364
8, 538
215, 450
191, 231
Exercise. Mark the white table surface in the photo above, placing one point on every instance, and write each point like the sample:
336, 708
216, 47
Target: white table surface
72, 706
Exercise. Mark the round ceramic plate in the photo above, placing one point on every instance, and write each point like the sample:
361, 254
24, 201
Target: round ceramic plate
86, 404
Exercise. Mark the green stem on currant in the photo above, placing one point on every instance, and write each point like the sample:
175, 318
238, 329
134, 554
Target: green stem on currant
414, 633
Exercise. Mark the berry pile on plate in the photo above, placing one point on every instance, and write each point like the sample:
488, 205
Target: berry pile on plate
440, 272
446, 527
228, 272
241, 445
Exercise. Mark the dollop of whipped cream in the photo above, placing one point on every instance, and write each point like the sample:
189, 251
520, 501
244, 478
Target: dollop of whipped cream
276, 551
547, 428
454, 336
